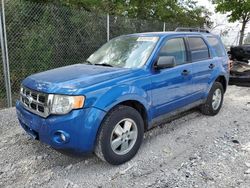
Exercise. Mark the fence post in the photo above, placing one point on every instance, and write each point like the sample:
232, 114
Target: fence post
4, 47
164, 26
108, 27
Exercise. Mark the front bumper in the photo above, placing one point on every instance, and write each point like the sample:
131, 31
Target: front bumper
79, 127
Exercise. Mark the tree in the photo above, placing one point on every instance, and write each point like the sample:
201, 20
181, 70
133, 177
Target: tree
180, 12
238, 10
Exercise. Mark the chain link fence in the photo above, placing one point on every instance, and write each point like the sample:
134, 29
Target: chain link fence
45, 36
3, 101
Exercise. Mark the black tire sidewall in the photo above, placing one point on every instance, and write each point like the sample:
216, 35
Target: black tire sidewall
109, 124
216, 85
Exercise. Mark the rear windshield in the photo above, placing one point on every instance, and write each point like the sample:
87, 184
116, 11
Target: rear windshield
217, 46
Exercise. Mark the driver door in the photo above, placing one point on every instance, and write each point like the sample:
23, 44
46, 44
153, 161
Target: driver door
172, 87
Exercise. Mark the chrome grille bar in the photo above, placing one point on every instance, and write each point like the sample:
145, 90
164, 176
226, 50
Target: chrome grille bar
35, 102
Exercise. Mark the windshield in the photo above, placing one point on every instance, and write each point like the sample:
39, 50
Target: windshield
124, 52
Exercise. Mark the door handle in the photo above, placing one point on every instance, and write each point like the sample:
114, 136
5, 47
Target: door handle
185, 72
211, 66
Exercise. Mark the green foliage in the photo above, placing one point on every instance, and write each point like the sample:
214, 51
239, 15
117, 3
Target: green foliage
237, 10
172, 11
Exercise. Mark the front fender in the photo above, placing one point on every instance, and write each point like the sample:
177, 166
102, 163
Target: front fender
121, 93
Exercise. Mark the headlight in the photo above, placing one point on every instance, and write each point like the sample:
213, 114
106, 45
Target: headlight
63, 104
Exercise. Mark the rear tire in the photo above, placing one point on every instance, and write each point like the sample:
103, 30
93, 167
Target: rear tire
120, 135
214, 100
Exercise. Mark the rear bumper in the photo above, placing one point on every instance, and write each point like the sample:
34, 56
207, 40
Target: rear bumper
79, 127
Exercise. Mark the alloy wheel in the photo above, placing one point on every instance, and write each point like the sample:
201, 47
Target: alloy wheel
124, 136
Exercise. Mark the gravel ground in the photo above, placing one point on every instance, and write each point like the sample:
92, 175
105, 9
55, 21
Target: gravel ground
192, 151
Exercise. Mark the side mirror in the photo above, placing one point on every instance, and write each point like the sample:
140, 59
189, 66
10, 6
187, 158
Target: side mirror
165, 62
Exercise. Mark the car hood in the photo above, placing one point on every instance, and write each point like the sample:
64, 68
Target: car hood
67, 80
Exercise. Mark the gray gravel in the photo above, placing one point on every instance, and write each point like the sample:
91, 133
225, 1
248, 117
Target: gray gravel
192, 151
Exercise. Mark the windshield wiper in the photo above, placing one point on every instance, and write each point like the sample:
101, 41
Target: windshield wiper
88, 62
104, 64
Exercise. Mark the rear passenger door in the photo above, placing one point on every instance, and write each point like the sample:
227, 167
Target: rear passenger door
202, 65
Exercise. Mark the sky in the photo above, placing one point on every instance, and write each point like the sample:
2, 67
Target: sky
221, 23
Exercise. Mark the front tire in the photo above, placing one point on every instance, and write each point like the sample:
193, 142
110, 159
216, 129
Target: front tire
120, 135
214, 100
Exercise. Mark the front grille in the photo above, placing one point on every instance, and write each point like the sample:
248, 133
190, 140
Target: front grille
35, 102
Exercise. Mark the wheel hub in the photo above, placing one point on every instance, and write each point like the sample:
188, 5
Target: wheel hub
216, 101
124, 136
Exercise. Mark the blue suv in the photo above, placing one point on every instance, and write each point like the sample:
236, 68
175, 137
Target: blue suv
129, 85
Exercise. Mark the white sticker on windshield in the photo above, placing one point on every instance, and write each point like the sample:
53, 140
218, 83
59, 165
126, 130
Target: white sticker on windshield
147, 39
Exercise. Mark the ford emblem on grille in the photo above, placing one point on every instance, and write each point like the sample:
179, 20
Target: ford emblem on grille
30, 99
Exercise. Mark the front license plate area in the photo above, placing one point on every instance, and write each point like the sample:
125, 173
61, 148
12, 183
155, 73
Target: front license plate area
33, 134
26, 121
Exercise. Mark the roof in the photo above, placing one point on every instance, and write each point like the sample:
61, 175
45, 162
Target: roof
163, 34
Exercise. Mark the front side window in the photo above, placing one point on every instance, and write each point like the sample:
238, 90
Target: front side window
175, 47
217, 46
198, 48
125, 52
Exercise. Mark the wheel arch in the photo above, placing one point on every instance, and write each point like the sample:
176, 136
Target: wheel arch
137, 105
223, 81
221, 78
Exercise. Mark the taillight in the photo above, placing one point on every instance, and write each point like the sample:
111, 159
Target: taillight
230, 64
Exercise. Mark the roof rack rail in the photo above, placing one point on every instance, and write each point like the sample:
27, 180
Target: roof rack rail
191, 29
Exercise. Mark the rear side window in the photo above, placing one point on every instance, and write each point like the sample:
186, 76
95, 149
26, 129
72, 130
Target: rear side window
175, 47
217, 46
198, 48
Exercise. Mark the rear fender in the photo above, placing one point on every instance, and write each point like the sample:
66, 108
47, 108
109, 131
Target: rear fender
213, 79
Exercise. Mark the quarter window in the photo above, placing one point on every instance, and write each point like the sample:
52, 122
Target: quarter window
217, 46
198, 48
175, 47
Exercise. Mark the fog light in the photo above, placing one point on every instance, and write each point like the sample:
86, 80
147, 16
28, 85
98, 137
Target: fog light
61, 137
